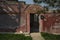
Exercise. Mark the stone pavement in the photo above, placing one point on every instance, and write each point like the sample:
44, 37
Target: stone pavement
36, 36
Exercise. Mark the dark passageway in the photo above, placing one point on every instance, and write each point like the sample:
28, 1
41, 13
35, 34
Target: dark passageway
34, 23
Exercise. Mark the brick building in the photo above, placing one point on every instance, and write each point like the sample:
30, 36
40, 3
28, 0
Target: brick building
26, 19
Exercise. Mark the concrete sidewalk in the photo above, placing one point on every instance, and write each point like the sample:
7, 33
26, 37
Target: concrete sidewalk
36, 36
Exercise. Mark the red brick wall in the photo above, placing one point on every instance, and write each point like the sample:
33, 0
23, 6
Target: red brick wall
50, 22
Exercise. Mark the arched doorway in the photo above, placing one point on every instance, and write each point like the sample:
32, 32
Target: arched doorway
34, 22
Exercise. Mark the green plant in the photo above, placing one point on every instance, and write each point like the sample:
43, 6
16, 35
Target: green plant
14, 37
48, 36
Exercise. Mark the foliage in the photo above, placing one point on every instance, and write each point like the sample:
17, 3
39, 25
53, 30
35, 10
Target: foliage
41, 11
14, 37
37, 1
58, 10
48, 36
52, 3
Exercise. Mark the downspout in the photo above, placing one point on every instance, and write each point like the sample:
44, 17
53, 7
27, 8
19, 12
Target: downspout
19, 14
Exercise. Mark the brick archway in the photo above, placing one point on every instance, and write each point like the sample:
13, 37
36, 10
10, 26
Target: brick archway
32, 9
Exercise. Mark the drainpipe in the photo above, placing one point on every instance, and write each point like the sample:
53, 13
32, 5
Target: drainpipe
19, 14
20, 5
